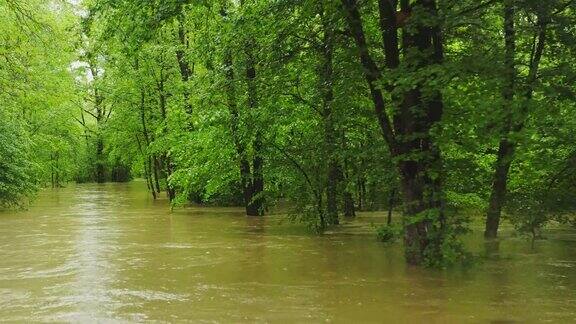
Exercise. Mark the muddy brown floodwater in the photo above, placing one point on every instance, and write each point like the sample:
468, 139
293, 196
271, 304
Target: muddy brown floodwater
108, 253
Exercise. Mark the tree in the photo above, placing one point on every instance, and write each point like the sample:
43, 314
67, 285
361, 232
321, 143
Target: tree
417, 108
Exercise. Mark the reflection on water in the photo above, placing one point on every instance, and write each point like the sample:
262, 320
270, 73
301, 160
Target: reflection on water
108, 252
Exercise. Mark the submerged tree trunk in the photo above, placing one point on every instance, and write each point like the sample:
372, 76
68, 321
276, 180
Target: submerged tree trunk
156, 168
243, 163
513, 120
251, 167
332, 194
361, 187
499, 188
391, 206
347, 194
150, 170
100, 115
349, 210
55, 173
421, 178
408, 134
326, 78
100, 160
255, 201
506, 148
100, 167
164, 161
147, 171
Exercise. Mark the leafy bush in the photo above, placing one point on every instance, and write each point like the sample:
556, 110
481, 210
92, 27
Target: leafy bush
388, 233
18, 174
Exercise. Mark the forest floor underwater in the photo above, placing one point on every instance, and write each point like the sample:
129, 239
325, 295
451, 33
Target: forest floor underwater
99, 253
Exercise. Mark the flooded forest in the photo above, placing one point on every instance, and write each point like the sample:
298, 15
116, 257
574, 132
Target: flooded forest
308, 161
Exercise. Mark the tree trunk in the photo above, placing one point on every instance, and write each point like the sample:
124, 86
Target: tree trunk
149, 169
391, 206
499, 184
251, 168
52, 172
255, 206
506, 148
421, 176
513, 123
156, 167
165, 164
349, 210
100, 168
362, 193
332, 194
243, 163
186, 70
326, 76
345, 183
409, 138
100, 116
57, 176
149, 176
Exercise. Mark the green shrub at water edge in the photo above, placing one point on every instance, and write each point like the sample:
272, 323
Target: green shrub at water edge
388, 233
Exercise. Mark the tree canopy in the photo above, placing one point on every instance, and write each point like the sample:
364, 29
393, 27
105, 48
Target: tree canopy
433, 108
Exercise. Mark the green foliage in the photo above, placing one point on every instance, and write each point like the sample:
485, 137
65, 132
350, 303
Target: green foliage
39, 140
200, 92
18, 174
208, 100
388, 233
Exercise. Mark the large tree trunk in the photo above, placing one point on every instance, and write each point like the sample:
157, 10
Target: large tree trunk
243, 162
421, 176
421, 212
409, 140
